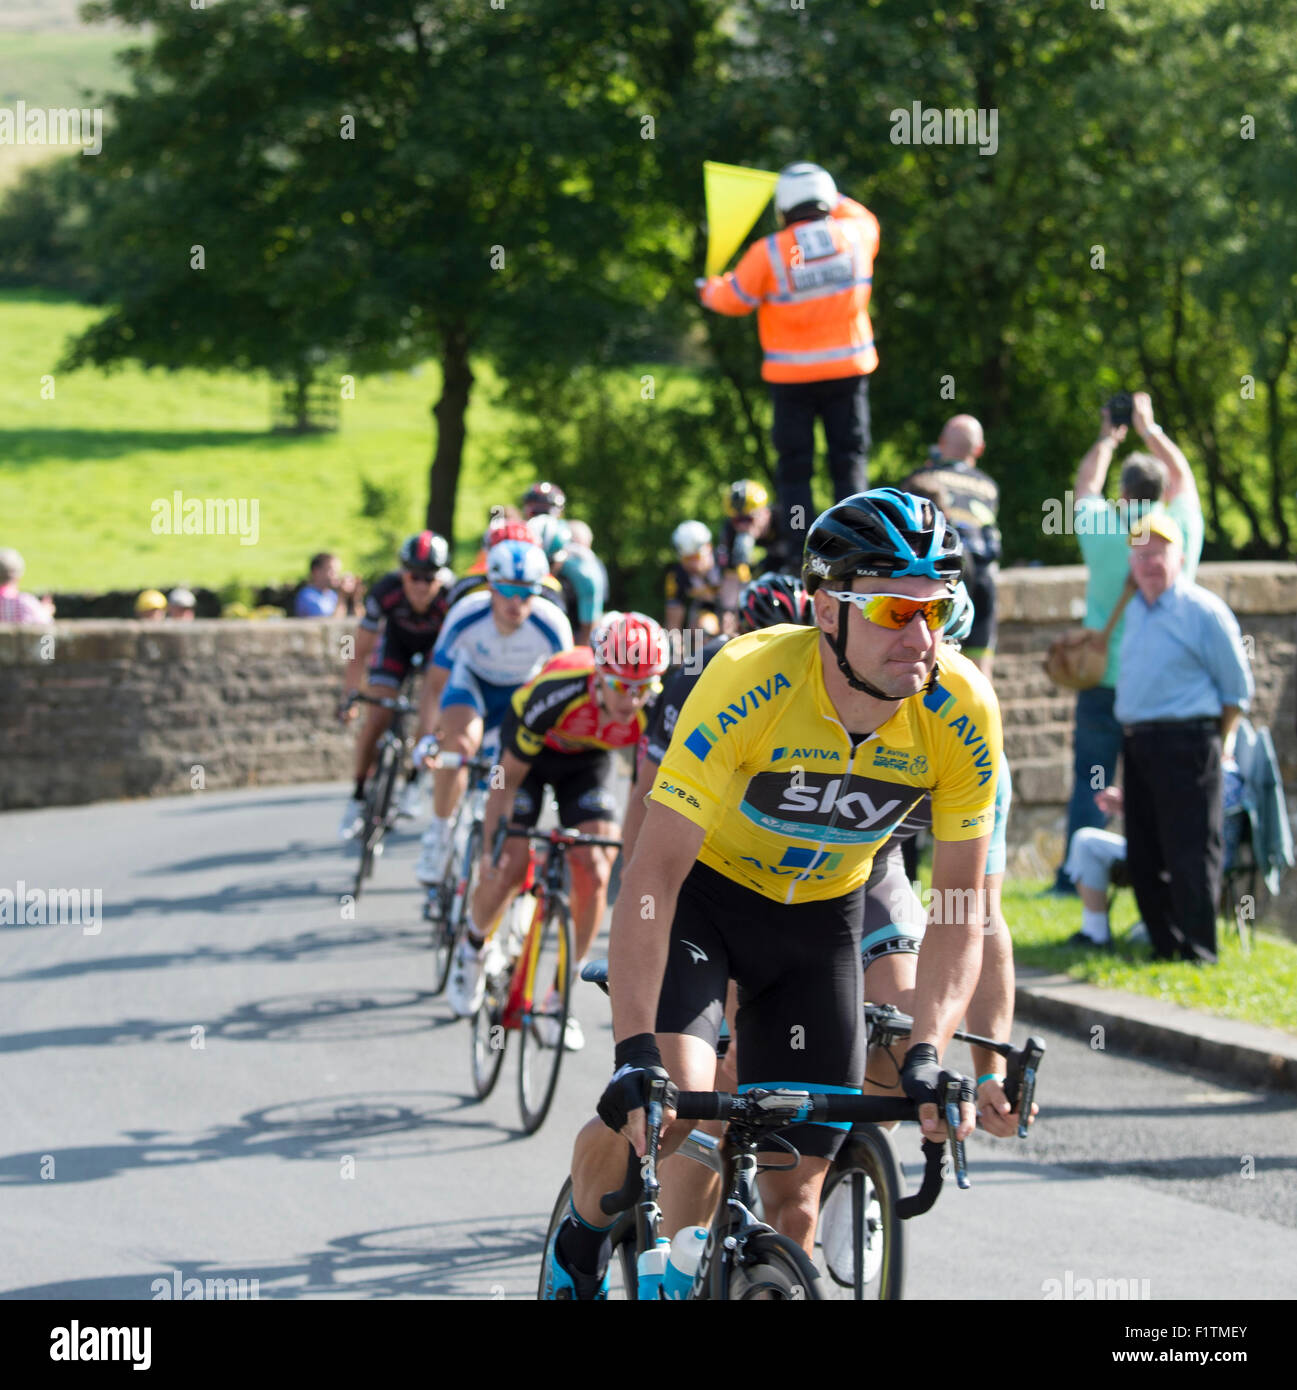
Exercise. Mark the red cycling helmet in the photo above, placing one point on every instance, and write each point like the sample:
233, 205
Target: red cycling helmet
505, 529
630, 646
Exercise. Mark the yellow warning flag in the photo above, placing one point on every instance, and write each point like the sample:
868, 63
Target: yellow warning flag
735, 199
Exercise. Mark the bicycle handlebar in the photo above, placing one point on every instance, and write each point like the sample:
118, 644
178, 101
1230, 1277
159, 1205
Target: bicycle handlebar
400, 704
559, 836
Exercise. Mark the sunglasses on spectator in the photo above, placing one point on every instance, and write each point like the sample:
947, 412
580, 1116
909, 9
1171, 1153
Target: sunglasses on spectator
894, 611
619, 686
517, 590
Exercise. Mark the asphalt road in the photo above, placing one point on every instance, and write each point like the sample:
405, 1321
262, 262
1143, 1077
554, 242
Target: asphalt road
233, 1078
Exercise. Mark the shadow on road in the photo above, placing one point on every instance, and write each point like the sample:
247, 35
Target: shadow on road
441, 1258
378, 1125
322, 1018
306, 945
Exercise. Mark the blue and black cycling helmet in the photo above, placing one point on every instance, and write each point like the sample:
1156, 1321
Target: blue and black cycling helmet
884, 533
961, 620
881, 534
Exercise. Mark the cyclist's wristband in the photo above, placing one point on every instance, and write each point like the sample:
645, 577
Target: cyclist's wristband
638, 1051
990, 1076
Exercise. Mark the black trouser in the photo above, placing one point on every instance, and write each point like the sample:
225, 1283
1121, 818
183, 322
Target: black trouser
1173, 833
843, 405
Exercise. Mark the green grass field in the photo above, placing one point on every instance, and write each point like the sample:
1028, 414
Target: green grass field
90, 462
56, 68
1259, 988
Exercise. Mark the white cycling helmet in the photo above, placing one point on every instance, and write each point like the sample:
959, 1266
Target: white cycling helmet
800, 185
516, 562
689, 538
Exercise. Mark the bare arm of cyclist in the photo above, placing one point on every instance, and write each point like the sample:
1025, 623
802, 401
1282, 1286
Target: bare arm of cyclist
640, 933
950, 957
635, 808
434, 683
365, 642
990, 1013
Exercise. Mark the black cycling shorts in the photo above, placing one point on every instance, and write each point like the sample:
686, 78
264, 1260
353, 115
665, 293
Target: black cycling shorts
800, 991
580, 785
979, 577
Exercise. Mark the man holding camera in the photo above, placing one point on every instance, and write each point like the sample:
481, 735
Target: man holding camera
1160, 476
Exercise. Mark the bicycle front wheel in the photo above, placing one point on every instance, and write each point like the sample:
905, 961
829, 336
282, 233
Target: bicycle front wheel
860, 1233
771, 1268
544, 1019
621, 1269
452, 899
489, 1036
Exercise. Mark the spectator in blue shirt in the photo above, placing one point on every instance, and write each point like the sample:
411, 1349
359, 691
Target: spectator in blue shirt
1183, 681
328, 593
1159, 477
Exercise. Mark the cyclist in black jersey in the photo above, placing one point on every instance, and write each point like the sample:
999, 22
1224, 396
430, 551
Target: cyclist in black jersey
403, 615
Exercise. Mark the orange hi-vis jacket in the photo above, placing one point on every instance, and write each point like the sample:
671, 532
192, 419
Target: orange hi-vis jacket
810, 285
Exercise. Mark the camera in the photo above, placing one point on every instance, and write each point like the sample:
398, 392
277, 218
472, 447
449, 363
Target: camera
1119, 408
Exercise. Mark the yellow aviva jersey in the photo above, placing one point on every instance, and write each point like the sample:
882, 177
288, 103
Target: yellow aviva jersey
760, 759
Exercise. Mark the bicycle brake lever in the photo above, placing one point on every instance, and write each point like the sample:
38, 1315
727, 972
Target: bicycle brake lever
950, 1105
1021, 1087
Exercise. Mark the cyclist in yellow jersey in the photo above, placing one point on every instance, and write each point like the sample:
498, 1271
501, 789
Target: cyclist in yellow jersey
792, 761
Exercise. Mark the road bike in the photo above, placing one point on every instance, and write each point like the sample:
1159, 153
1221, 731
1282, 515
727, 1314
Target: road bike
445, 907
743, 1258
390, 758
529, 980
863, 1204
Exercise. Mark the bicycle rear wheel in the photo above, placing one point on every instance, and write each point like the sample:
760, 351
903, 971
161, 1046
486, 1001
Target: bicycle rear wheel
771, 1268
544, 1021
860, 1234
621, 1268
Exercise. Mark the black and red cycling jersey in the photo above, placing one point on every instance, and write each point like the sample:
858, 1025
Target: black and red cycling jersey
559, 709
387, 603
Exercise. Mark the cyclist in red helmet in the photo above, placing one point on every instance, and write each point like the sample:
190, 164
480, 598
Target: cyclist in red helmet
561, 731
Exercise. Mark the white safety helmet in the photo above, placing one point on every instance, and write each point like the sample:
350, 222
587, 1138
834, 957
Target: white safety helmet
516, 562
800, 185
689, 538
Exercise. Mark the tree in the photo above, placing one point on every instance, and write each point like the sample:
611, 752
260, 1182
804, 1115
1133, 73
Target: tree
291, 181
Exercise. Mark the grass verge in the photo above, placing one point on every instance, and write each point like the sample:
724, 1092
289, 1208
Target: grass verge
1258, 988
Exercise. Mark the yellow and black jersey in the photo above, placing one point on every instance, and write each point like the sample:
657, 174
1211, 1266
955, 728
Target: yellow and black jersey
558, 709
792, 809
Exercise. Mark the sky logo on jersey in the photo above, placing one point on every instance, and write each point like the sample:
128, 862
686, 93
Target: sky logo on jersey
806, 754
850, 810
702, 739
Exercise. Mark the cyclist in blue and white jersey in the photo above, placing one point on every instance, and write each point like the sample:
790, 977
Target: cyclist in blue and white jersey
493, 641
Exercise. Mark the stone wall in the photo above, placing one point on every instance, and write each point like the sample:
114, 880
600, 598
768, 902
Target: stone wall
95, 710
130, 709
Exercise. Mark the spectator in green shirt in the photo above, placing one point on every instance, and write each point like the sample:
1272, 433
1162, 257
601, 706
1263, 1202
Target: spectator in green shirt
1160, 478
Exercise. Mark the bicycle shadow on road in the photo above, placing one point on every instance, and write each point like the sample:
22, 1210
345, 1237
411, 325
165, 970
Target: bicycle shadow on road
361, 1125
327, 1018
311, 945
449, 1259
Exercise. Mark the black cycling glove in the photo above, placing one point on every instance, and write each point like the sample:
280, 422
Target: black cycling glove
924, 1079
637, 1062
